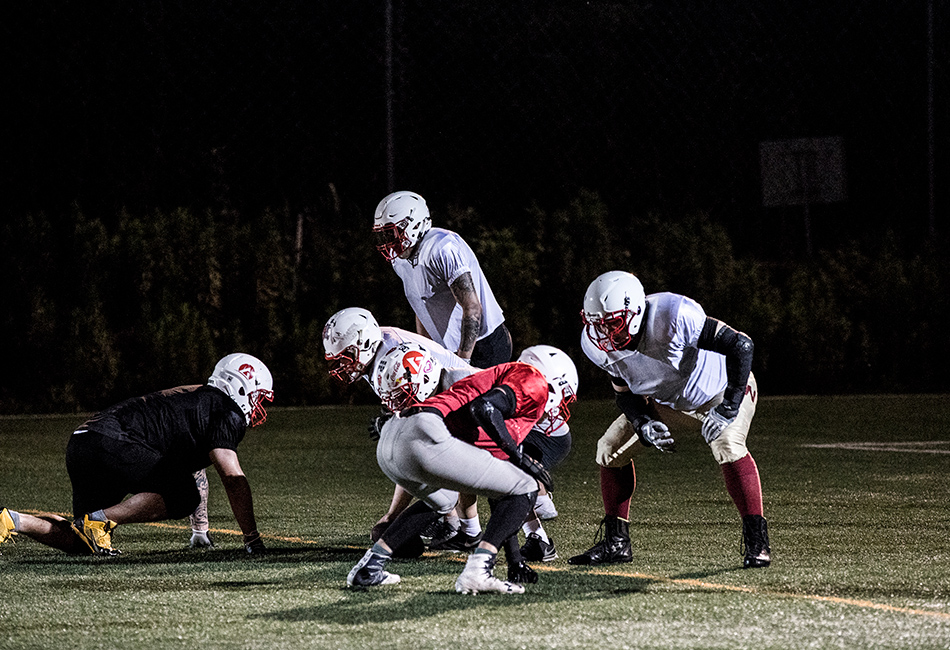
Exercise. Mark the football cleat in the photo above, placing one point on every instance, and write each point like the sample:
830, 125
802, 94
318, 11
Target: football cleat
370, 572
755, 542
478, 577
7, 528
97, 535
439, 531
536, 549
611, 545
458, 543
522, 573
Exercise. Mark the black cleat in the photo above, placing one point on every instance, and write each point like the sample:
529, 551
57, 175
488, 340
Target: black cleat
458, 543
537, 550
522, 574
755, 542
612, 544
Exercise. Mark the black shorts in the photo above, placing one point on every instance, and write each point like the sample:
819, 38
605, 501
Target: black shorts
492, 350
550, 451
104, 470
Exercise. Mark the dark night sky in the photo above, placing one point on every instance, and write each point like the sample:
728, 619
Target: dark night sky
658, 106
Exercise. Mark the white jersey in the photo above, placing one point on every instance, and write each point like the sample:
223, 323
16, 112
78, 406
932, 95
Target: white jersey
667, 365
455, 366
440, 259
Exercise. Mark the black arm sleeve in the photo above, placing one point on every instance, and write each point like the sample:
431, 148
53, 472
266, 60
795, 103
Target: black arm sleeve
633, 406
489, 412
737, 348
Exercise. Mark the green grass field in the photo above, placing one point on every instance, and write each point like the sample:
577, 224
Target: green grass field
856, 495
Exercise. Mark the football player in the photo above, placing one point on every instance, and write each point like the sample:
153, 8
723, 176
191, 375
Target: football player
150, 447
548, 442
665, 357
464, 439
354, 344
443, 281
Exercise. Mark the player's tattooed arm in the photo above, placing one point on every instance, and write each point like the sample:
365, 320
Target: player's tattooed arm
199, 518
465, 295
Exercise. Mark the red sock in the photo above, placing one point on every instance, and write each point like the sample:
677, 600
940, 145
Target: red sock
743, 484
616, 488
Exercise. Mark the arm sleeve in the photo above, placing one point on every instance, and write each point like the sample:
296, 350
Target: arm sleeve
737, 348
489, 412
633, 406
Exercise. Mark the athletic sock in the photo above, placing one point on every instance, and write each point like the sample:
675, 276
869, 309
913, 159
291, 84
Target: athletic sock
379, 550
744, 485
534, 526
98, 515
617, 485
470, 527
15, 516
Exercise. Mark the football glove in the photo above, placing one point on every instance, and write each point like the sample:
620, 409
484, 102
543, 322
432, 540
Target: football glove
375, 426
200, 539
536, 471
253, 544
654, 433
715, 422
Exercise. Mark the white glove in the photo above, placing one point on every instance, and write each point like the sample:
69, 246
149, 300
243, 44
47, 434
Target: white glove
200, 539
714, 424
654, 433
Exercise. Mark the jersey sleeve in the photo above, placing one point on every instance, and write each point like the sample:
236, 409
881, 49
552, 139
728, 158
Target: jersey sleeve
530, 389
689, 322
451, 260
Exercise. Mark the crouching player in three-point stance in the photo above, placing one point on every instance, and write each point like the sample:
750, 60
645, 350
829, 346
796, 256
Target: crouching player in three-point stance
149, 447
666, 358
432, 449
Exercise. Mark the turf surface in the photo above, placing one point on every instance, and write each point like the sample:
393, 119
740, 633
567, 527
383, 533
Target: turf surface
856, 496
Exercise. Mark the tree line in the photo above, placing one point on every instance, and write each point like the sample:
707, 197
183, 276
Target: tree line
96, 309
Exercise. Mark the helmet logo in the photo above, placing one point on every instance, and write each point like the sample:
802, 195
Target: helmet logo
412, 361
247, 370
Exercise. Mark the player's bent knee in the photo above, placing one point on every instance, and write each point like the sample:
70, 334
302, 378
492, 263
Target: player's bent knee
725, 450
618, 446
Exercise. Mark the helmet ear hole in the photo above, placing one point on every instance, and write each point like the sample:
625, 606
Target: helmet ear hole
241, 391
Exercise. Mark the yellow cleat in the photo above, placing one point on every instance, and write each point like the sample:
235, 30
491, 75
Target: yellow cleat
96, 534
7, 529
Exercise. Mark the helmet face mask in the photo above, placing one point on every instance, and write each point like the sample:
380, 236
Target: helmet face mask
406, 375
391, 240
401, 220
613, 310
612, 331
561, 374
247, 381
350, 340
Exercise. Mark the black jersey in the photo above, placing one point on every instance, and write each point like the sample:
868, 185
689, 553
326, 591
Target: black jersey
181, 424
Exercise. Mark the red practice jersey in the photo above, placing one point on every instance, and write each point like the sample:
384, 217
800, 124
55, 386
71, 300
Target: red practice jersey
531, 395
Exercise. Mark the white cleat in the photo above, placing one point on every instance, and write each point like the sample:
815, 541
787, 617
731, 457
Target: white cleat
478, 577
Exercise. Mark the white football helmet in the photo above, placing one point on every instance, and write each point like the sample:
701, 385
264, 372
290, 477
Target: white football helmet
350, 340
406, 375
247, 381
613, 309
401, 219
561, 373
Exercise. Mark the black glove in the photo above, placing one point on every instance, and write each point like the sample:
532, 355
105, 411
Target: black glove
253, 544
375, 426
537, 471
